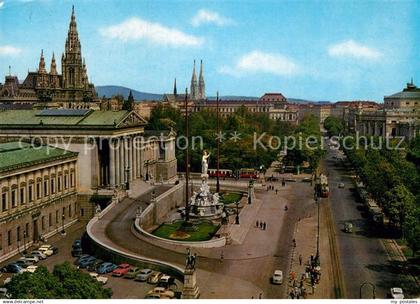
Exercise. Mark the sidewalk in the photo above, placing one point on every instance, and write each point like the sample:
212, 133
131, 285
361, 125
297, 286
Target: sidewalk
305, 236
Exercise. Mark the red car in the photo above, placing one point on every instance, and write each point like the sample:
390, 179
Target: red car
121, 270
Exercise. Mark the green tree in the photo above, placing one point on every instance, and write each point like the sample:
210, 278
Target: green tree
411, 229
128, 104
65, 282
333, 125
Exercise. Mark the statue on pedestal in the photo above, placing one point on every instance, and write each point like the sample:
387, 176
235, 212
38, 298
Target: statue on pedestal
205, 163
190, 290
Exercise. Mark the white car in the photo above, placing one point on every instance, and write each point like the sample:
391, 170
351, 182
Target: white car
38, 254
277, 277
101, 279
30, 269
32, 258
45, 249
397, 293
341, 185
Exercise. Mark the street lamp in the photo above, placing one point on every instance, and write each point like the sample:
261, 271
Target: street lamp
317, 201
127, 183
237, 212
62, 224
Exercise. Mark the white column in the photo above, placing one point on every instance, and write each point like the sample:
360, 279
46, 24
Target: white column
117, 162
135, 148
111, 163
132, 165
122, 160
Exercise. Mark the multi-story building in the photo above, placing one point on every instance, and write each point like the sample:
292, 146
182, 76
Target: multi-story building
113, 146
38, 194
400, 116
49, 89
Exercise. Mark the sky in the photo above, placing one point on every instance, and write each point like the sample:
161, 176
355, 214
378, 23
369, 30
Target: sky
317, 50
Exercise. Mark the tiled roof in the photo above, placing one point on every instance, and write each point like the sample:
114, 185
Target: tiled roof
14, 155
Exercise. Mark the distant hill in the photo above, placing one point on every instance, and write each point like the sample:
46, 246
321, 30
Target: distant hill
111, 90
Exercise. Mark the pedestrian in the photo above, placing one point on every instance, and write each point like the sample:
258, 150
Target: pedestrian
294, 243
292, 295
257, 223
277, 190
300, 259
221, 257
260, 296
265, 225
261, 224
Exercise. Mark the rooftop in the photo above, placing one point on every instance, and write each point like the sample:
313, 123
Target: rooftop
14, 155
66, 118
409, 92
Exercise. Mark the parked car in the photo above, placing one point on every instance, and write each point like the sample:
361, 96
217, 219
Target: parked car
4, 294
154, 277
162, 292
131, 274
77, 244
94, 266
306, 179
49, 247
341, 185
397, 293
290, 179
12, 268
76, 252
348, 227
23, 262
39, 254
86, 262
143, 275
81, 258
45, 249
166, 281
101, 279
30, 269
121, 270
106, 268
277, 277
32, 258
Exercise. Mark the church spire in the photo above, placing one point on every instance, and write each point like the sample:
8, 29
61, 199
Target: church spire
194, 85
53, 68
41, 68
175, 91
201, 84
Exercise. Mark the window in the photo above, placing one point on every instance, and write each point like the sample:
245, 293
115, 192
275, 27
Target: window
18, 233
30, 193
4, 201
1, 241
71, 180
52, 185
22, 196
45, 187
59, 184
70, 211
26, 230
49, 219
43, 223
66, 181
56, 216
38, 190
9, 237
13, 199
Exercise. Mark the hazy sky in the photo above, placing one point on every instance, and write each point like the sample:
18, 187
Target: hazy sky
320, 50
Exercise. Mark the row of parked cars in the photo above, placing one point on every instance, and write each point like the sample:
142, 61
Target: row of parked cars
97, 268
27, 262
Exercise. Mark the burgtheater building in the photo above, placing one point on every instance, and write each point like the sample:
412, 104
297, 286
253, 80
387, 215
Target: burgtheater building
49, 89
38, 194
400, 116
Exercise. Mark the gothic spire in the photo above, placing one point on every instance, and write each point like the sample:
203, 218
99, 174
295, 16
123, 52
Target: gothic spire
175, 91
41, 68
53, 69
201, 84
194, 85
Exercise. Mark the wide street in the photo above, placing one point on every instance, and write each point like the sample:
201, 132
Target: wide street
362, 254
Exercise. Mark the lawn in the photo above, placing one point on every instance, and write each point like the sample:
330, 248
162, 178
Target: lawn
230, 197
174, 231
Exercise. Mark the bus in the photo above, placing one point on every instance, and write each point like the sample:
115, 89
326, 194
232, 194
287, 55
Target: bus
222, 173
248, 173
322, 186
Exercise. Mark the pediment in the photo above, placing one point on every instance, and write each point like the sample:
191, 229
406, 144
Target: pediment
132, 119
